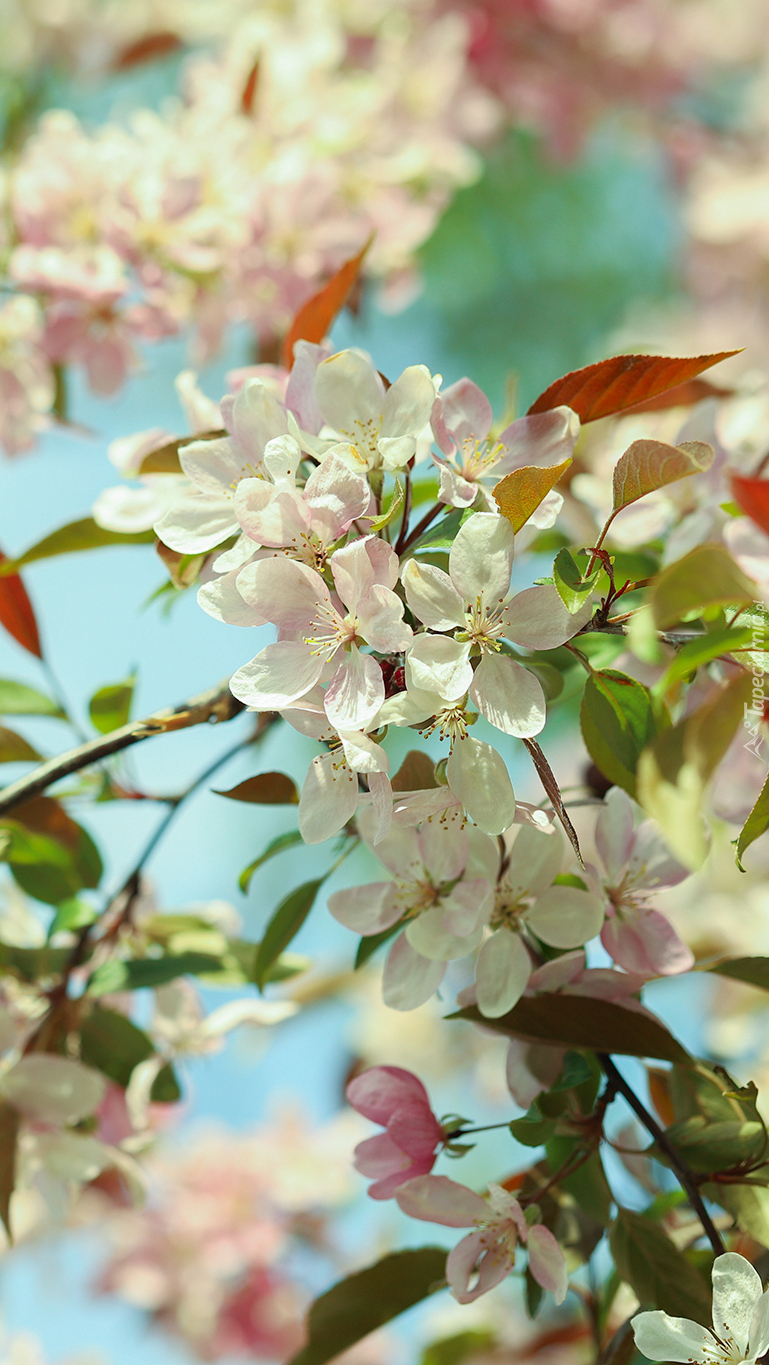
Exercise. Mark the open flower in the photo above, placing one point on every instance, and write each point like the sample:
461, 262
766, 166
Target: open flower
398, 1100
442, 890
637, 862
526, 899
474, 602
740, 1322
461, 421
381, 424
487, 1254
316, 631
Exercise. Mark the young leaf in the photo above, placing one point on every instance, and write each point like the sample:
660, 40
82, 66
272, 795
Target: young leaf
368, 945
266, 789
618, 722
110, 707
700, 651
706, 1145
9, 1132
647, 465
707, 576
621, 382
140, 972
519, 494
76, 536
748, 1205
456, 1349
752, 497
16, 699
284, 926
110, 1043
72, 914
314, 319
17, 614
378, 524
756, 824
288, 840
657, 1272
15, 749
673, 772
359, 1304
576, 1021
573, 589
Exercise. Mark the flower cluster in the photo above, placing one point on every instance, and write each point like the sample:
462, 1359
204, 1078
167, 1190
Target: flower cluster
238, 200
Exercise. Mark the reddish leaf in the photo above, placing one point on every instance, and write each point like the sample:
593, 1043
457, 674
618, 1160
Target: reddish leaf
314, 318
622, 382
249, 90
146, 49
684, 396
16, 613
752, 495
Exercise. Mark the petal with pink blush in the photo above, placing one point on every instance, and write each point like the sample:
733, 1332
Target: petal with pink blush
462, 412
377, 1157
414, 1129
213, 466
547, 1262
355, 692
432, 597
279, 675
329, 798
196, 523
409, 979
614, 832
509, 696
380, 617
378, 1090
288, 593
428, 936
537, 618
436, 1199
469, 1255
220, 598
257, 417
647, 943
443, 850
366, 909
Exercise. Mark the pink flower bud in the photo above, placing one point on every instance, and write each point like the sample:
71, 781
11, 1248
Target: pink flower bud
398, 1100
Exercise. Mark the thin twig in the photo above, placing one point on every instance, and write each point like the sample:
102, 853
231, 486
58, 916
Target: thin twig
685, 1174
217, 704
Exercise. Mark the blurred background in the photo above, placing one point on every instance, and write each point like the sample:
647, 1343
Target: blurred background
548, 182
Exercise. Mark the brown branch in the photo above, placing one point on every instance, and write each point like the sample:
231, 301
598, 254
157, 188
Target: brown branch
684, 1172
217, 704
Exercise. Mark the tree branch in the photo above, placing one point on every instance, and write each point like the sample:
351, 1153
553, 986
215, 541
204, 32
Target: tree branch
217, 704
684, 1172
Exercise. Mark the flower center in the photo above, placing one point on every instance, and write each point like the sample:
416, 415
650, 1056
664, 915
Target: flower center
486, 624
478, 457
332, 631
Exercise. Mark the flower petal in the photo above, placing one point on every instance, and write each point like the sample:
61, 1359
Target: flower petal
432, 596
287, 593
737, 1289
329, 798
547, 1262
428, 936
534, 862
614, 832
53, 1089
565, 916
278, 675
409, 978
221, 599
408, 403
646, 942
660, 1337
436, 1199
366, 909
438, 663
502, 973
350, 394
509, 696
538, 619
479, 779
355, 692
481, 558
493, 1265
196, 523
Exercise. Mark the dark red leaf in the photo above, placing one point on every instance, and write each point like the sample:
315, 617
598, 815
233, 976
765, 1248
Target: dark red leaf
752, 496
683, 396
16, 613
315, 317
146, 49
622, 382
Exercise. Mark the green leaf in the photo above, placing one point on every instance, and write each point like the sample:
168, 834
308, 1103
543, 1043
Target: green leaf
647, 465
34, 964
442, 534
588, 1184
756, 824
707, 576
674, 771
700, 651
110, 707
454, 1350
709, 1146
534, 1294
114, 1045
286, 966
656, 1270
284, 926
531, 1129
754, 971
573, 589
359, 1304
76, 536
16, 699
72, 914
396, 501
15, 749
140, 972
576, 1021
165, 459
9, 1132
266, 789
277, 845
618, 722
748, 1205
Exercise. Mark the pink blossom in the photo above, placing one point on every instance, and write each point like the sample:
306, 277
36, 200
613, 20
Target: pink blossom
398, 1100
636, 863
486, 1256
